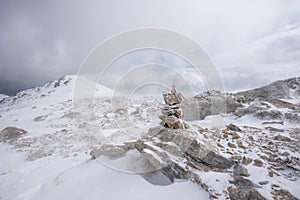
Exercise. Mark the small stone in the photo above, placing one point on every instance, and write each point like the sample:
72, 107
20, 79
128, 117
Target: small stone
275, 186
239, 170
236, 158
258, 163
263, 182
271, 174
246, 161
282, 138
231, 145
264, 157
233, 127
240, 144
235, 136
272, 129
285, 154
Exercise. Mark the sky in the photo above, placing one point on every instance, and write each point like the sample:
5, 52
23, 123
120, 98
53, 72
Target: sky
252, 43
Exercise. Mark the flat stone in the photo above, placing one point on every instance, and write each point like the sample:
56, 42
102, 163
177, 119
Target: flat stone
263, 182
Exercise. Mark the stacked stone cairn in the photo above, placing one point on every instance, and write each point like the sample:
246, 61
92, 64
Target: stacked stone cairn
171, 112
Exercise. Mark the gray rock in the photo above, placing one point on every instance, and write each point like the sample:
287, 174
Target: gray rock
10, 134
283, 194
245, 189
245, 194
240, 170
208, 103
217, 161
282, 138
109, 150
269, 115
233, 127
292, 117
40, 118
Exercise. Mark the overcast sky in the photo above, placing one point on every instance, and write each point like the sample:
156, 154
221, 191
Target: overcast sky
252, 42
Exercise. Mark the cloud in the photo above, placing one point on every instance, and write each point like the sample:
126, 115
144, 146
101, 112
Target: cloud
270, 58
44, 40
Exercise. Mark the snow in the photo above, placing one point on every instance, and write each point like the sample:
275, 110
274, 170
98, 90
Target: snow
61, 168
2, 96
80, 178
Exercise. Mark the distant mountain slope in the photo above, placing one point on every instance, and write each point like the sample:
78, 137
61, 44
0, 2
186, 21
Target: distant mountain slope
53, 92
289, 88
2, 96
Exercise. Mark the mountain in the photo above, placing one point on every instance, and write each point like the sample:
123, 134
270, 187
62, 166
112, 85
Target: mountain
2, 96
283, 89
247, 148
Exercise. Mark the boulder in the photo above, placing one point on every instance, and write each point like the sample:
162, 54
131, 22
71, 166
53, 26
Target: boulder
233, 127
246, 194
10, 134
240, 170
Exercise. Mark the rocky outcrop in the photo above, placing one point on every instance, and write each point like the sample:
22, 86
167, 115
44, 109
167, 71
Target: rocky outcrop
245, 189
283, 194
276, 90
209, 103
170, 151
10, 134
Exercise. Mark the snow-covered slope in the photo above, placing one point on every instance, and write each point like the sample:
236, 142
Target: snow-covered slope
2, 96
49, 161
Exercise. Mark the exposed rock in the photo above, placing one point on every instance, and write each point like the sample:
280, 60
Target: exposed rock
240, 144
283, 195
217, 161
40, 118
246, 161
274, 122
263, 182
71, 115
269, 114
272, 129
231, 145
10, 134
245, 189
233, 127
235, 136
282, 138
109, 150
292, 117
258, 163
239, 170
37, 155
245, 194
209, 103
275, 90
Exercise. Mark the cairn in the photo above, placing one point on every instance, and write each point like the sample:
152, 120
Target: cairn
172, 112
